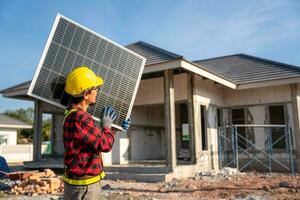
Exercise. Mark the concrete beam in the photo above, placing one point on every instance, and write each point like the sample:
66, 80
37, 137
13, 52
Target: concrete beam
268, 83
169, 65
169, 116
295, 94
204, 73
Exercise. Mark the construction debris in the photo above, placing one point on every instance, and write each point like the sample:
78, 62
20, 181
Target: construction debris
212, 185
224, 174
228, 171
36, 183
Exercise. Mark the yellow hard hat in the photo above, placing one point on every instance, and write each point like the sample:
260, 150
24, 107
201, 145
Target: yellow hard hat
80, 80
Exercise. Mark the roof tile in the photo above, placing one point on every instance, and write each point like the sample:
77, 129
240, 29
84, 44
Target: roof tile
152, 53
242, 68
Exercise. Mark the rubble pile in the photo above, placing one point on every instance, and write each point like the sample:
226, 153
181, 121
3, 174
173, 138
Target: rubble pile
36, 183
224, 174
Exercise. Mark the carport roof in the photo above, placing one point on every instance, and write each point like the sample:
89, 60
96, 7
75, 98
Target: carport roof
245, 69
18, 91
20, 86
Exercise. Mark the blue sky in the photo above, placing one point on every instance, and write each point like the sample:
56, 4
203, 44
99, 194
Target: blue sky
195, 29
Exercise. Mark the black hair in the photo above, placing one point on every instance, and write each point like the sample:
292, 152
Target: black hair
76, 100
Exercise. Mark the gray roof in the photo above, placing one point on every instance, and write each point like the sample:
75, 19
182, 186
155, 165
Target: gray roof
152, 53
11, 122
242, 68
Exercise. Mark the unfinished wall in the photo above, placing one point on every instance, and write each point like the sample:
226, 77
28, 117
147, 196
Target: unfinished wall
290, 121
258, 114
151, 91
57, 134
146, 143
210, 95
295, 93
146, 133
120, 150
256, 103
148, 115
275, 94
208, 92
212, 133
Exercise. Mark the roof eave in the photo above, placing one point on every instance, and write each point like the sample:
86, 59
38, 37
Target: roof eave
17, 94
193, 67
268, 83
157, 67
182, 63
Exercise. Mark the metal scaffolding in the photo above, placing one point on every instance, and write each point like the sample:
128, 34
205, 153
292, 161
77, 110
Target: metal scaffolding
236, 149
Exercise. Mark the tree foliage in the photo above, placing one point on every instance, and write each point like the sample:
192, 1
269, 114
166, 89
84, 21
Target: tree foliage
46, 128
26, 115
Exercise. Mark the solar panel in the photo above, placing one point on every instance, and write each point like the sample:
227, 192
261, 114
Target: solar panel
72, 45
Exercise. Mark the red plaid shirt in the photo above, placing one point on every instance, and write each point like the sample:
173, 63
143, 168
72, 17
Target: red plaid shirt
84, 142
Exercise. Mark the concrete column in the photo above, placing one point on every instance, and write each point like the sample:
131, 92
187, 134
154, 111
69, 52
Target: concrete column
57, 130
295, 93
37, 132
192, 117
169, 116
53, 135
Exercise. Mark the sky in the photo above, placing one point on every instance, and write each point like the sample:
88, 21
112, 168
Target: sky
196, 29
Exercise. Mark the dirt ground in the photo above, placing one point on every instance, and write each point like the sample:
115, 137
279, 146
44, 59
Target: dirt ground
247, 187
251, 186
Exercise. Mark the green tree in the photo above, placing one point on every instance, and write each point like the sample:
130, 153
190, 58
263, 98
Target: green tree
26, 115
46, 129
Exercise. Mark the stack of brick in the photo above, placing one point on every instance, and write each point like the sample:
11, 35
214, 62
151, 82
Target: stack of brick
45, 182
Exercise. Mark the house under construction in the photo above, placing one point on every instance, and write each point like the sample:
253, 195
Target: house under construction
190, 116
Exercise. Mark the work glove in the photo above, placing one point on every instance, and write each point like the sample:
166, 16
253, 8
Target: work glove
126, 123
108, 117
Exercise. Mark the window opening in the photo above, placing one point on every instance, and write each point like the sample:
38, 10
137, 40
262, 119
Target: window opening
277, 117
203, 127
46, 135
238, 117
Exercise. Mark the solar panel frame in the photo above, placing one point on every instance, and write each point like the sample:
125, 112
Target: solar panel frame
50, 48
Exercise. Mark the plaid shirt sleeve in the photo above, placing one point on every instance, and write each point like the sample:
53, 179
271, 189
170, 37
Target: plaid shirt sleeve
101, 141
